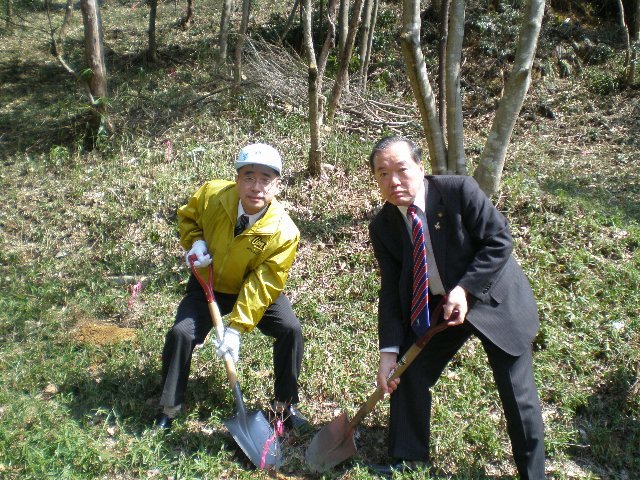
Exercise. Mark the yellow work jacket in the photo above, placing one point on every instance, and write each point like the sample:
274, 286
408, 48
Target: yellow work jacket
255, 264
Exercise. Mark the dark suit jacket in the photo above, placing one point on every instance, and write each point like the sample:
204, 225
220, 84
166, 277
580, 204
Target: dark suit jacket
472, 246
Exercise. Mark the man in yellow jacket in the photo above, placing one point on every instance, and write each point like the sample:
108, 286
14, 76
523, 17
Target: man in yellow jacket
252, 241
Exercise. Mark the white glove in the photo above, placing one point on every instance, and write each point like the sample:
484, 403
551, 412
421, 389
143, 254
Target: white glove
199, 249
230, 343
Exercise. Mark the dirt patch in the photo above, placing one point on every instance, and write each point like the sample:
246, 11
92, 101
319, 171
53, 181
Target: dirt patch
101, 334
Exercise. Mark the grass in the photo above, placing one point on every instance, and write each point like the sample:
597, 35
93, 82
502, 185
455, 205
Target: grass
80, 359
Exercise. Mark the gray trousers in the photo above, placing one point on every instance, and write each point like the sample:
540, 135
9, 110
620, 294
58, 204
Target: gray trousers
193, 323
409, 428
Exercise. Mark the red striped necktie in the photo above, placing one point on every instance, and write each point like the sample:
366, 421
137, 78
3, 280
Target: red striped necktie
420, 299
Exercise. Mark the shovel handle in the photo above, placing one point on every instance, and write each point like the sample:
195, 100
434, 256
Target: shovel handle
404, 362
229, 364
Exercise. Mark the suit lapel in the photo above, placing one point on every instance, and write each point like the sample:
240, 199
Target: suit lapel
437, 222
396, 226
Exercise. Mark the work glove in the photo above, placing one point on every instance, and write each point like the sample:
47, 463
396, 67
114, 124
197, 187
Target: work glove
230, 343
199, 249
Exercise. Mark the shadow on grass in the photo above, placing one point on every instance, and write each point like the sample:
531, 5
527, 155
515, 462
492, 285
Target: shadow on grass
31, 119
621, 193
133, 393
609, 425
48, 107
371, 442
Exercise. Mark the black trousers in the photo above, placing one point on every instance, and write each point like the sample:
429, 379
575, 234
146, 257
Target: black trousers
409, 429
193, 323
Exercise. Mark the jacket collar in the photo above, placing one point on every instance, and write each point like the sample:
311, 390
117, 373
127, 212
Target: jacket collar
267, 225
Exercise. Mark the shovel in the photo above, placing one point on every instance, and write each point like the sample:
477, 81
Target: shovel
251, 430
335, 442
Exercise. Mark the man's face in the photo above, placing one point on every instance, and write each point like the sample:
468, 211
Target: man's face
257, 185
398, 176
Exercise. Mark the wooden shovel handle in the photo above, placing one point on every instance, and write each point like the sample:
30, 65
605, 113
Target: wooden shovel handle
229, 364
406, 360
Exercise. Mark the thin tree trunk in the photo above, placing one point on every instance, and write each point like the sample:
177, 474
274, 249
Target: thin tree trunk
625, 29
225, 20
242, 37
315, 151
68, 15
455, 131
635, 44
94, 57
153, 10
489, 170
364, 39
57, 52
329, 42
442, 61
9, 19
417, 73
290, 18
343, 26
342, 33
364, 77
186, 21
343, 68
93, 47
374, 18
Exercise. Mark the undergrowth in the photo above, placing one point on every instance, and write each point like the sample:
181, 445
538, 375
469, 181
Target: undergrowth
79, 229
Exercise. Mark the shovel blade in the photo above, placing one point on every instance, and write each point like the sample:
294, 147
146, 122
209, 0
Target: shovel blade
253, 433
333, 444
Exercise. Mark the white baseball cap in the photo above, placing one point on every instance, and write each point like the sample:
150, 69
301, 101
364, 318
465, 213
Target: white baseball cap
260, 154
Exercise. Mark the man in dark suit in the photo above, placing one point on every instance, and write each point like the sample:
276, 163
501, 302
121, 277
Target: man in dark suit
468, 254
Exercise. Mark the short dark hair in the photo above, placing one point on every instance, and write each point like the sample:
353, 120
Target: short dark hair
383, 144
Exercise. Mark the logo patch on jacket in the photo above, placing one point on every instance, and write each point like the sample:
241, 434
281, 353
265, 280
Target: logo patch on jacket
258, 244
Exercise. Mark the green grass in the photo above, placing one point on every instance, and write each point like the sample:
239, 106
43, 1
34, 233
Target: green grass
78, 228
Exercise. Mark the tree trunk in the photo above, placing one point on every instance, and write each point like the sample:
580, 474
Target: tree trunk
242, 37
455, 131
635, 44
68, 15
442, 61
94, 57
329, 42
315, 151
343, 26
186, 21
343, 32
290, 18
9, 19
153, 10
417, 73
625, 29
364, 76
94, 47
489, 171
343, 68
225, 20
364, 40
374, 19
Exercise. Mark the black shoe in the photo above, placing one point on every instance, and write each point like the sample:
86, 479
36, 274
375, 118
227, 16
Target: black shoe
400, 466
293, 419
163, 421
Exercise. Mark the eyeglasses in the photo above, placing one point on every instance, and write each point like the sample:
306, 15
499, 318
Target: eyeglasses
263, 183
